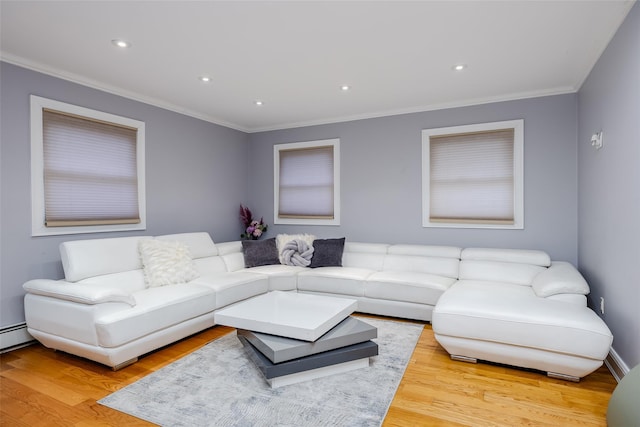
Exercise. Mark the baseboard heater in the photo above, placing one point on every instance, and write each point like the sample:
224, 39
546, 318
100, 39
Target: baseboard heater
15, 336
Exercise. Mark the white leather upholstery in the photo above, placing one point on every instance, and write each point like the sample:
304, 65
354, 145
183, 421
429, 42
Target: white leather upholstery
200, 244
210, 265
281, 277
233, 261
84, 294
496, 271
520, 256
489, 320
233, 287
408, 286
501, 313
426, 251
446, 267
89, 258
560, 278
334, 280
156, 308
507, 306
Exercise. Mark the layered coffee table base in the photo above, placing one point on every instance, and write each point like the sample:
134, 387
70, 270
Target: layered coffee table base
280, 349
319, 365
293, 337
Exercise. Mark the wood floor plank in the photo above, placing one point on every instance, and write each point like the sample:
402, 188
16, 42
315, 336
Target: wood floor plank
434, 391
47, 386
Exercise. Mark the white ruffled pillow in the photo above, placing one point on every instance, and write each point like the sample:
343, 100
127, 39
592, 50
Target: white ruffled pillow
283, 239
166, 262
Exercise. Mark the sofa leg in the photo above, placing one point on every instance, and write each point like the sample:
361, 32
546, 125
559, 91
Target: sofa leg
464, 358
124, 364
563, 377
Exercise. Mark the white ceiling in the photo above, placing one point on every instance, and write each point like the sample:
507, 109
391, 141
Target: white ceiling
397, 56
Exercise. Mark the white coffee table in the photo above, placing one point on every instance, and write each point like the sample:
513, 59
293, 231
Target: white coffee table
287, 314
293, 337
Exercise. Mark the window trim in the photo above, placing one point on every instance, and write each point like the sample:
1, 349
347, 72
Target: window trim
518, 164
38, 227
335, 143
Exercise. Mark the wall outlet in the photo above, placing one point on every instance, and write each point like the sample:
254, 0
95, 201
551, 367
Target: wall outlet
602, 305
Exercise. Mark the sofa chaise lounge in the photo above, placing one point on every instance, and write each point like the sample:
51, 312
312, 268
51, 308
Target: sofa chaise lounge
502, 305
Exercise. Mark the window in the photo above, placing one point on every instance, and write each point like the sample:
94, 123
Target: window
306, 183
472, 176
87, 170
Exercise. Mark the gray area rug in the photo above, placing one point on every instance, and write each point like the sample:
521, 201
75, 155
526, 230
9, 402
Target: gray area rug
218, 385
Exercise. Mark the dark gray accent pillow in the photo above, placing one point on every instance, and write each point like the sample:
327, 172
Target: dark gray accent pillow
327, 253
260, 252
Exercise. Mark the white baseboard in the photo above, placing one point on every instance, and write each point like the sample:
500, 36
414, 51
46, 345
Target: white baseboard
15, 336
616, 365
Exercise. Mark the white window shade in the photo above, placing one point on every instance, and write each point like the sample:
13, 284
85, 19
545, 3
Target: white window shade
306, 183
472, 177
89, 172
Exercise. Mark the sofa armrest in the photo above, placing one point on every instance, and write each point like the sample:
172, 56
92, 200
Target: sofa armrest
81, 293
559, 278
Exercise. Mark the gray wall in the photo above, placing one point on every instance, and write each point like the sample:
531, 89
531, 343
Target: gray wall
609, 186
196, 177
581, 205
381, 177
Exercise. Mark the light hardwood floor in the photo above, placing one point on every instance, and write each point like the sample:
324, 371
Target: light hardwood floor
41, 387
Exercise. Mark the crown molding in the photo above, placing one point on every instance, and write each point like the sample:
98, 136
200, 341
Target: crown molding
114, 90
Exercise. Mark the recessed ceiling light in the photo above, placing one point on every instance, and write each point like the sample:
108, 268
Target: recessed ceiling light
121, 43
345, 88
205, 79
459, 67
258, 102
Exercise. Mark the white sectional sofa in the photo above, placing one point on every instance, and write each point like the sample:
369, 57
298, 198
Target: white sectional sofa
507, 306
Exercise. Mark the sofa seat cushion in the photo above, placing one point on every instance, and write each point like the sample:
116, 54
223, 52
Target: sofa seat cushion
156, 308
514, 315
277, 269
281, 277
407, 286
334, 280
234, 287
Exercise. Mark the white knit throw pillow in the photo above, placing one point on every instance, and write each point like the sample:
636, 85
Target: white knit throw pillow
166, 262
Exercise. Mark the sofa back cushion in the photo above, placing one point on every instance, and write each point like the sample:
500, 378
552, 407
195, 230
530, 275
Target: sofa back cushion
210, 265
520, 256
426, 251
516, 266
364, 255
437, 260
447, 267
95, 257
494, 271
200, 244
231, 253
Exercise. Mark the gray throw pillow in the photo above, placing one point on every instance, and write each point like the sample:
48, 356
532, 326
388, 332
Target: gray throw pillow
327, 253
260, 252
